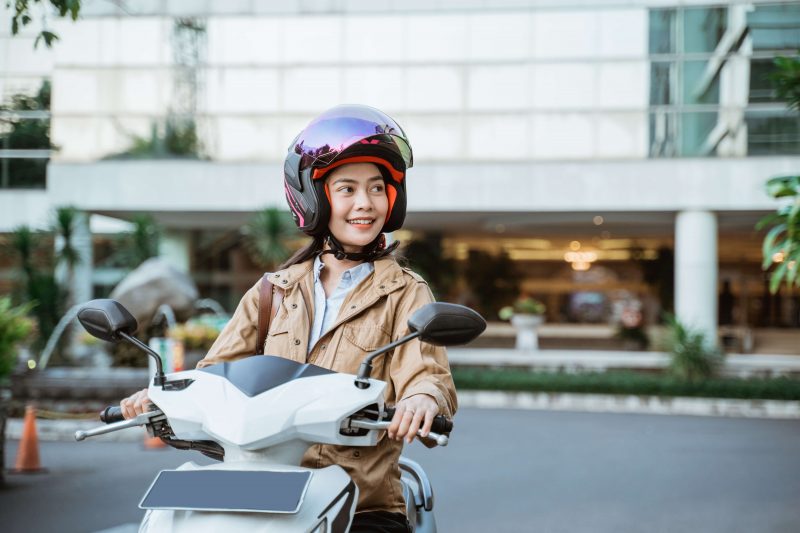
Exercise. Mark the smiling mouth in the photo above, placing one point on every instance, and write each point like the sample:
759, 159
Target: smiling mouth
361, 221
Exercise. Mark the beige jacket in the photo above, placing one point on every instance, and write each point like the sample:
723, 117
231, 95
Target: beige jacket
374, 313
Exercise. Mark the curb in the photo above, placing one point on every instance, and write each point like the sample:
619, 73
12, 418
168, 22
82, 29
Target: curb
651, 405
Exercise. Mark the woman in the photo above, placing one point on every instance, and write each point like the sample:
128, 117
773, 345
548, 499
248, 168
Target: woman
345, 295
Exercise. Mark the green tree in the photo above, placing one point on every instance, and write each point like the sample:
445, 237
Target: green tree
266, 235
493, 281
426, 258
139, 244
23, 16
781, 245
38, 287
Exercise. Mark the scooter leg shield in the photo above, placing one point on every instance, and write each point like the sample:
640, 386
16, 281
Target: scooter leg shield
330, 497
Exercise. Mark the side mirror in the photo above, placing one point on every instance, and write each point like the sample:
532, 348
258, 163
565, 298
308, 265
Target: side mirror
444, 324
110, 321
107, 319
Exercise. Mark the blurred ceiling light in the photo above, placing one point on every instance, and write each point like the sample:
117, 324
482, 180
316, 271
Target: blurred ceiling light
598, 220
575, 246
580, 260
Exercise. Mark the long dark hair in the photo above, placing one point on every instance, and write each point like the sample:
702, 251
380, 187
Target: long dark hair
317, 244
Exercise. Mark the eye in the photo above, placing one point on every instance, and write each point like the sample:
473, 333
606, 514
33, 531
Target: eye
345, 188
378, 188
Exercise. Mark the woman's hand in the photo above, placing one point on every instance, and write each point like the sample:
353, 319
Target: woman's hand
135, 404
411, 413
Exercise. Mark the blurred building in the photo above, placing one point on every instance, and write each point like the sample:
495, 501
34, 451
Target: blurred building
615, 151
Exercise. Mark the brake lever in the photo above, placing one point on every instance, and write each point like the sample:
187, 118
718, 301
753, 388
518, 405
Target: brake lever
140, 420
441, 440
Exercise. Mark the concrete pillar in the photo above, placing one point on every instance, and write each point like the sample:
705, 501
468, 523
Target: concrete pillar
696, 271
176, 248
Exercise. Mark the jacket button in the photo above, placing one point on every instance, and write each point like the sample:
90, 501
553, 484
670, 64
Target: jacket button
323, 347
352, 307
296, 342
284, 282
277, 275
294, 306
383, 286
357, 453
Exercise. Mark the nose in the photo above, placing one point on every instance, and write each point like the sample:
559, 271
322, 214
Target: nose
363, 201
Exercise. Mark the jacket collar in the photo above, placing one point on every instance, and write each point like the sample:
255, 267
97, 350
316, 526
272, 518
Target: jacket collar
388, 275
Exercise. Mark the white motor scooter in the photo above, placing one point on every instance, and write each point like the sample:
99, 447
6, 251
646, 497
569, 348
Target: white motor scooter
258, 416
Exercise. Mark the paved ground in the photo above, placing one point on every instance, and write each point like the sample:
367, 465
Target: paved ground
504, 470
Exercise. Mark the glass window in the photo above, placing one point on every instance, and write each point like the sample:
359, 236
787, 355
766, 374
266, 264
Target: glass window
695, 128
761, 87
25, 125
775, 27
662, 78
703, 28
696, 88
663, 134
772, 133
662, 31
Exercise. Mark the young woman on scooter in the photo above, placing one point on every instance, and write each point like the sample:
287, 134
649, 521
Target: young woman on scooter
345, 295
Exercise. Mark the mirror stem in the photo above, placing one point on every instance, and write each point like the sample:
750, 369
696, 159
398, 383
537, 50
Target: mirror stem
159, 378
365, 370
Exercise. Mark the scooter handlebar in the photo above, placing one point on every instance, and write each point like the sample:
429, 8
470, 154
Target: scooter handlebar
111, 414
441, 424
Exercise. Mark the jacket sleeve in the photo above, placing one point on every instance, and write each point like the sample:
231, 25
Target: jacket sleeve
238, 338
417, 367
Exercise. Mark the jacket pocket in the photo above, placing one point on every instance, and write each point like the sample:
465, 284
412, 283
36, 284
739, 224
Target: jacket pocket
366, 336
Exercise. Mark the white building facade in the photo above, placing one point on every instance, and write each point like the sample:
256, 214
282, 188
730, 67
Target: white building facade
623, 126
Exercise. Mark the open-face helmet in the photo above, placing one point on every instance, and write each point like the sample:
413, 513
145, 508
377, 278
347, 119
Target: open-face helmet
341, 135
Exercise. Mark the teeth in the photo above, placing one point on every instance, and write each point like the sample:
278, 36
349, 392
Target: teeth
360, 221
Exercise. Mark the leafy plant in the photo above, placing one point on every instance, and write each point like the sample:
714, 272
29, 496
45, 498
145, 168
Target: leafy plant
23, 16
786, 80
492, 280
173, 139
522, 306
781, 245
691, 355
139, 244
266, 235
15, 327
426, 257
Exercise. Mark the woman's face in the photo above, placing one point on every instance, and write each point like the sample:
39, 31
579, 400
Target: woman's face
358, 204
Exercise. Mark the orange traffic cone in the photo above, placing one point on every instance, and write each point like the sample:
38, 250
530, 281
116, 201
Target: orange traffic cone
28, 451
153, 443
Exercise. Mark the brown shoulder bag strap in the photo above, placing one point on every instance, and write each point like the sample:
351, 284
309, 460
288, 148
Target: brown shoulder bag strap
269, 301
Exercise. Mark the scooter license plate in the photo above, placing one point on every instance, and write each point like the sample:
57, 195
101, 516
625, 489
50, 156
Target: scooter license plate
227, 490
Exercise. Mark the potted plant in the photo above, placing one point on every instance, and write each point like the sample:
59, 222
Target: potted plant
526, 315
15, 327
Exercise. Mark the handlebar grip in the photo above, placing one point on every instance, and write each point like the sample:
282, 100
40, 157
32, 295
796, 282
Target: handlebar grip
112, 414
441, 424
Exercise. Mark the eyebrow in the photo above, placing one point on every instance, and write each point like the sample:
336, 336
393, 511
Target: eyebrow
351, 180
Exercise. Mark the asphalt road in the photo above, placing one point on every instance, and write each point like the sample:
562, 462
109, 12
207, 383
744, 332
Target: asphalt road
503, 471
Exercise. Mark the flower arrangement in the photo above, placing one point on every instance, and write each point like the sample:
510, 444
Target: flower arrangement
196, 333
524, 305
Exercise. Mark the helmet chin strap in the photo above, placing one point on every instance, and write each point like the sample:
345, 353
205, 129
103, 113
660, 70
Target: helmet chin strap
369, 253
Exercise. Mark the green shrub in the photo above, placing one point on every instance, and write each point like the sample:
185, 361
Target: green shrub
626, 383
15, 327
691, 356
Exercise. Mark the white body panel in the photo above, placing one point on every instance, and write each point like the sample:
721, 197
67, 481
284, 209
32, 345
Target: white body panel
324, 487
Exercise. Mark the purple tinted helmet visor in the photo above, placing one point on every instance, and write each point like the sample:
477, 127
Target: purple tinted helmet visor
321, 142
